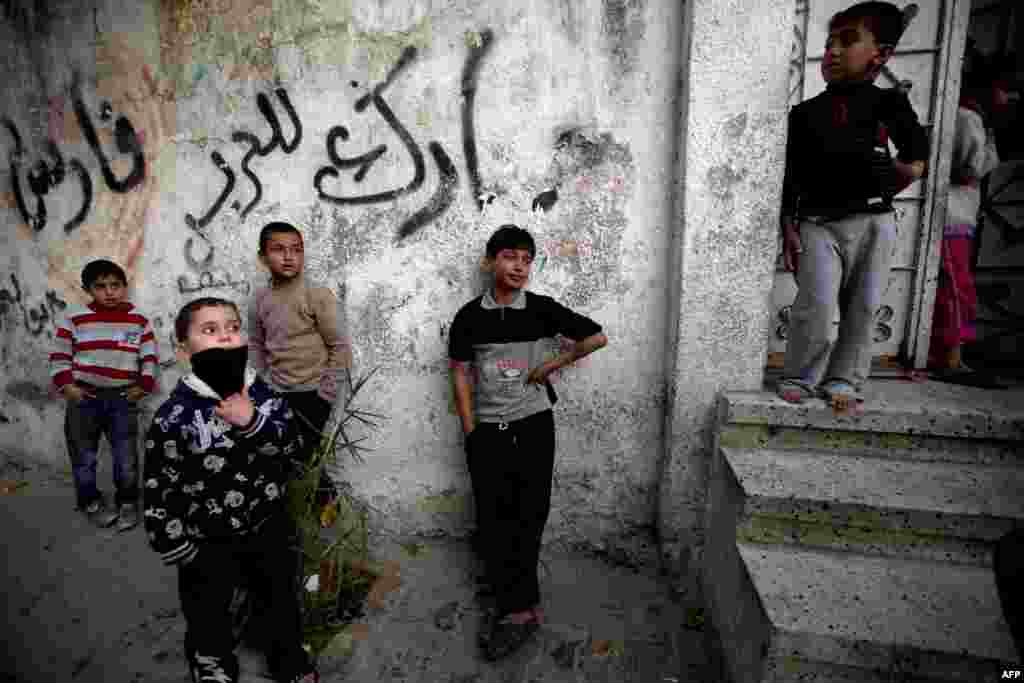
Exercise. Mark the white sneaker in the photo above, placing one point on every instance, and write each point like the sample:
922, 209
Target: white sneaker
128, 517
99, 515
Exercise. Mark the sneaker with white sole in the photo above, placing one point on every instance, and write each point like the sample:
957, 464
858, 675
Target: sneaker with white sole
128, 517
99, 515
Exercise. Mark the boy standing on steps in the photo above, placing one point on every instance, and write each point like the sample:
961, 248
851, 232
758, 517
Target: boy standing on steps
838, 223
296, 336
509, 428
103, 364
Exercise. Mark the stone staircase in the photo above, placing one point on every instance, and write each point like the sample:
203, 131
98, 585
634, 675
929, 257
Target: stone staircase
859, 549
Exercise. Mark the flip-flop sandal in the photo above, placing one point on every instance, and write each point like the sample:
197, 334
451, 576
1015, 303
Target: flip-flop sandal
792, 391
841, 396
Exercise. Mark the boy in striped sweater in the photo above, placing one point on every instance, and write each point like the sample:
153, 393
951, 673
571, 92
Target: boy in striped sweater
103, 364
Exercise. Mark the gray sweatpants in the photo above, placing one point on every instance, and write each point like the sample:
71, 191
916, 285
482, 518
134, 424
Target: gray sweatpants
844, 263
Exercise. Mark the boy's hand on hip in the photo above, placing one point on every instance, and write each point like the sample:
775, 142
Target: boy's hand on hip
134, 393
75, 393
237, 409
792, 247
894, 176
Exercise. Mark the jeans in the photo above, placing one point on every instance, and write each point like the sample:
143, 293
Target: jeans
85, 421
511, 471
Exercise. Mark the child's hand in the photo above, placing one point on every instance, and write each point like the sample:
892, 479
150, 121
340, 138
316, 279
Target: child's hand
74, 393
237, 409
792, 247
134, 393
892, 175
904, 174
539, 374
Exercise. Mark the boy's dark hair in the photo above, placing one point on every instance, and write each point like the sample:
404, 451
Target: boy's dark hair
510, 236
94, 270
184, 318
275, 228
883, 19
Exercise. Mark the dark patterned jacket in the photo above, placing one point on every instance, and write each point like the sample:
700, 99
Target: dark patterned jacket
205, 479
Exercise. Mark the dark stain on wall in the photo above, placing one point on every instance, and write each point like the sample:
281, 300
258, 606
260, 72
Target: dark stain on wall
359, 239
29, 17
570, 20
736, 125
29, 392
592, 175
722, 179
578, 149
624, 27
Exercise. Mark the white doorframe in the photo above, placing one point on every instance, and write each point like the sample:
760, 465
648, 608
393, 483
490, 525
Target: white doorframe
956, 17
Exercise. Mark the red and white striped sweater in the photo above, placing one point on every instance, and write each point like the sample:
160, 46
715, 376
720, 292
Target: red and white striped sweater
104, 348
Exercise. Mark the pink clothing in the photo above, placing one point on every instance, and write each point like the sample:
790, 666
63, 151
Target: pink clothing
956, 301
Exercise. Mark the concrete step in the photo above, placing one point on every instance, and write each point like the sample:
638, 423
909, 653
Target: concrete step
824, 616
930, 422
938, 511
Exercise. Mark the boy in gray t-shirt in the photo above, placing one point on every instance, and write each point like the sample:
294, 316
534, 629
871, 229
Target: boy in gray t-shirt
498, 339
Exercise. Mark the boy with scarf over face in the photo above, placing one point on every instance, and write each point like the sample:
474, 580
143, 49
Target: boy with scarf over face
218, 456
838, 224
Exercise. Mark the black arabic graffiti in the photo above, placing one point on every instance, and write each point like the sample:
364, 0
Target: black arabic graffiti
469, 82
125, 139
255, 149
223, 165
364, 161
34, 316
42, 178
441, 198
208, 280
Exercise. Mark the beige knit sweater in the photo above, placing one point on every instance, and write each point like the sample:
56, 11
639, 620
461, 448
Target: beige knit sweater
297, 338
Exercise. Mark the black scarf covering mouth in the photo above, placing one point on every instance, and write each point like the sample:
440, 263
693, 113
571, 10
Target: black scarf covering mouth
222, 369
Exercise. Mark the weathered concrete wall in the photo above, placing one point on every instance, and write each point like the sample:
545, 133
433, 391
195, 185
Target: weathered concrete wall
733, 123
483, 108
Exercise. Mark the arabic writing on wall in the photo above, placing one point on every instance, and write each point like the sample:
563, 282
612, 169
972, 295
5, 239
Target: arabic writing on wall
36, 317
46, 175
361, 164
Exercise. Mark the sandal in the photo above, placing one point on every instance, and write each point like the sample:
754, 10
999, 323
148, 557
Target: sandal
793, 391
839, 394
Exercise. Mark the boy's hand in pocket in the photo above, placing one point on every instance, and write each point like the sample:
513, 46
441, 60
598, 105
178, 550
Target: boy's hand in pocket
75, 393
134, 393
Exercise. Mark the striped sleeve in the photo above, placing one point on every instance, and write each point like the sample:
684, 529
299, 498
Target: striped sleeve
61, 357
147, 359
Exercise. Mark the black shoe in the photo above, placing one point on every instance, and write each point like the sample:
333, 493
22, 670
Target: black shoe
487, 622
506, 638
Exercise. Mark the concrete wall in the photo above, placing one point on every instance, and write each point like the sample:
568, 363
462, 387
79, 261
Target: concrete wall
731, 155
499, 105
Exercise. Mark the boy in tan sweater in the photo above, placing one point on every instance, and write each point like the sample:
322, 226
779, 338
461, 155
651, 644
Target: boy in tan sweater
296, 336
